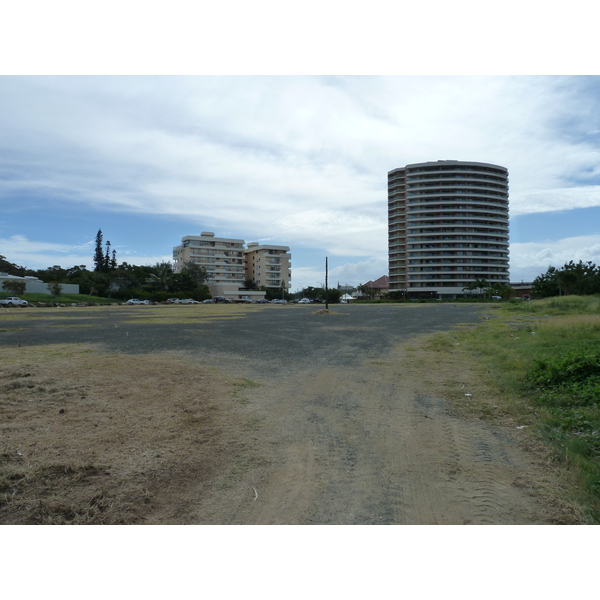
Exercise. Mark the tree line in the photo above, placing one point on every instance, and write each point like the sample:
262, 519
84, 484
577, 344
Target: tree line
110, 279
580, 278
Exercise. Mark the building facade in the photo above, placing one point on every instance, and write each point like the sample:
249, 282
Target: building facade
447, 227
269, 266
229, 264
222, 257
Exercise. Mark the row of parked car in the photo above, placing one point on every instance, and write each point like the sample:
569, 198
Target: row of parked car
169, 301
218, 299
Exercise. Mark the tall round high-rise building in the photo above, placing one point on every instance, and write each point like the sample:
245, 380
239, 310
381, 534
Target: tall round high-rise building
447, 227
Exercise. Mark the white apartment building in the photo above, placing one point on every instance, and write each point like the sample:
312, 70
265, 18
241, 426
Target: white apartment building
448, 226
268, 266
230, 264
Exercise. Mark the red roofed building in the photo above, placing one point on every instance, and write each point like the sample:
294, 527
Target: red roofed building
379, 287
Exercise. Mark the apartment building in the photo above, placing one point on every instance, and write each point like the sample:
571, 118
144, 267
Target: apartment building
268, 266
447, 226
230, 263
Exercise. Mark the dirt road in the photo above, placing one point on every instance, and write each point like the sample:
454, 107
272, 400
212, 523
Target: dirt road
278, 415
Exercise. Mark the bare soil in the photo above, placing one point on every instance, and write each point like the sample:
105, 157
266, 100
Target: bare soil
361, 434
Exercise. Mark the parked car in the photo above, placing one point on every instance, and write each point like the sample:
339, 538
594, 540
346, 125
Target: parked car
14, 301
262, 301
304, 301
209, 301
172, 301
188, 301
133, 301
145, 302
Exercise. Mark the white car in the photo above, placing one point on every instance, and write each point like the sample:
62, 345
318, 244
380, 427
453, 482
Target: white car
133, 301
188, 301
304, 301
14, 301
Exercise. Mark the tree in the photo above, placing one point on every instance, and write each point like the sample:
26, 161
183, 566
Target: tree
106, 264
15, 286
55, 273
480, 284
546, 284
181, 282
501, 289
161, 275
197, 272
310, 292
55, 288
332, 297
572, 278
470, 287
11, 268
98, 254
364, 290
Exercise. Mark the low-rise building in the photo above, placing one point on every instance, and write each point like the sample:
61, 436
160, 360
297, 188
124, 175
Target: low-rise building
380, 287
522, 290
35, 285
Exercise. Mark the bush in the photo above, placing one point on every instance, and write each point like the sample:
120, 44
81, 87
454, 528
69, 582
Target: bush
568, 368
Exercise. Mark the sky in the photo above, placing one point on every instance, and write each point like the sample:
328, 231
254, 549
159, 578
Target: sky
284, 158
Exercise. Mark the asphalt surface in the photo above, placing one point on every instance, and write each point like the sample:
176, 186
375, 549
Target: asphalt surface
275, 335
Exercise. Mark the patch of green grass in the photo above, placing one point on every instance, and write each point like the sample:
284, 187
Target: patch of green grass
545, 356
63, 298
559, 305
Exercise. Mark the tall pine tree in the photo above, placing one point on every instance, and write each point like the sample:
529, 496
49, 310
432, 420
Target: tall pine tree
98, 253
107, 258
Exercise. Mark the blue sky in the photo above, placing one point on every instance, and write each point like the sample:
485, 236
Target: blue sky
285, 159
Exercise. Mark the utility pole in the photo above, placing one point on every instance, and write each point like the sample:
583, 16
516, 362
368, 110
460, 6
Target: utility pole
326, 273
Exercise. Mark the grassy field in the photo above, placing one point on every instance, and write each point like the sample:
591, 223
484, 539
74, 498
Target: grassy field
62, 299
543, 356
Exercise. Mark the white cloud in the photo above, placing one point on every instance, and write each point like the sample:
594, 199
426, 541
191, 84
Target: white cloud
530, 259
540, 201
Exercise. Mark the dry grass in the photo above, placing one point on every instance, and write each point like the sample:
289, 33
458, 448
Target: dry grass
96, 438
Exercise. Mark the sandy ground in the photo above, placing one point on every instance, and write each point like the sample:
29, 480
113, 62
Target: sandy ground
370, 426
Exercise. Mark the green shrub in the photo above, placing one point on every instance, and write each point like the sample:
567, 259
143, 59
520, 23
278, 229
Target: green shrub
567, 368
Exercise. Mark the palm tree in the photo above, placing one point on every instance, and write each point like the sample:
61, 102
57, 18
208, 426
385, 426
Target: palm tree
472, 285
163, 273
480, 284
